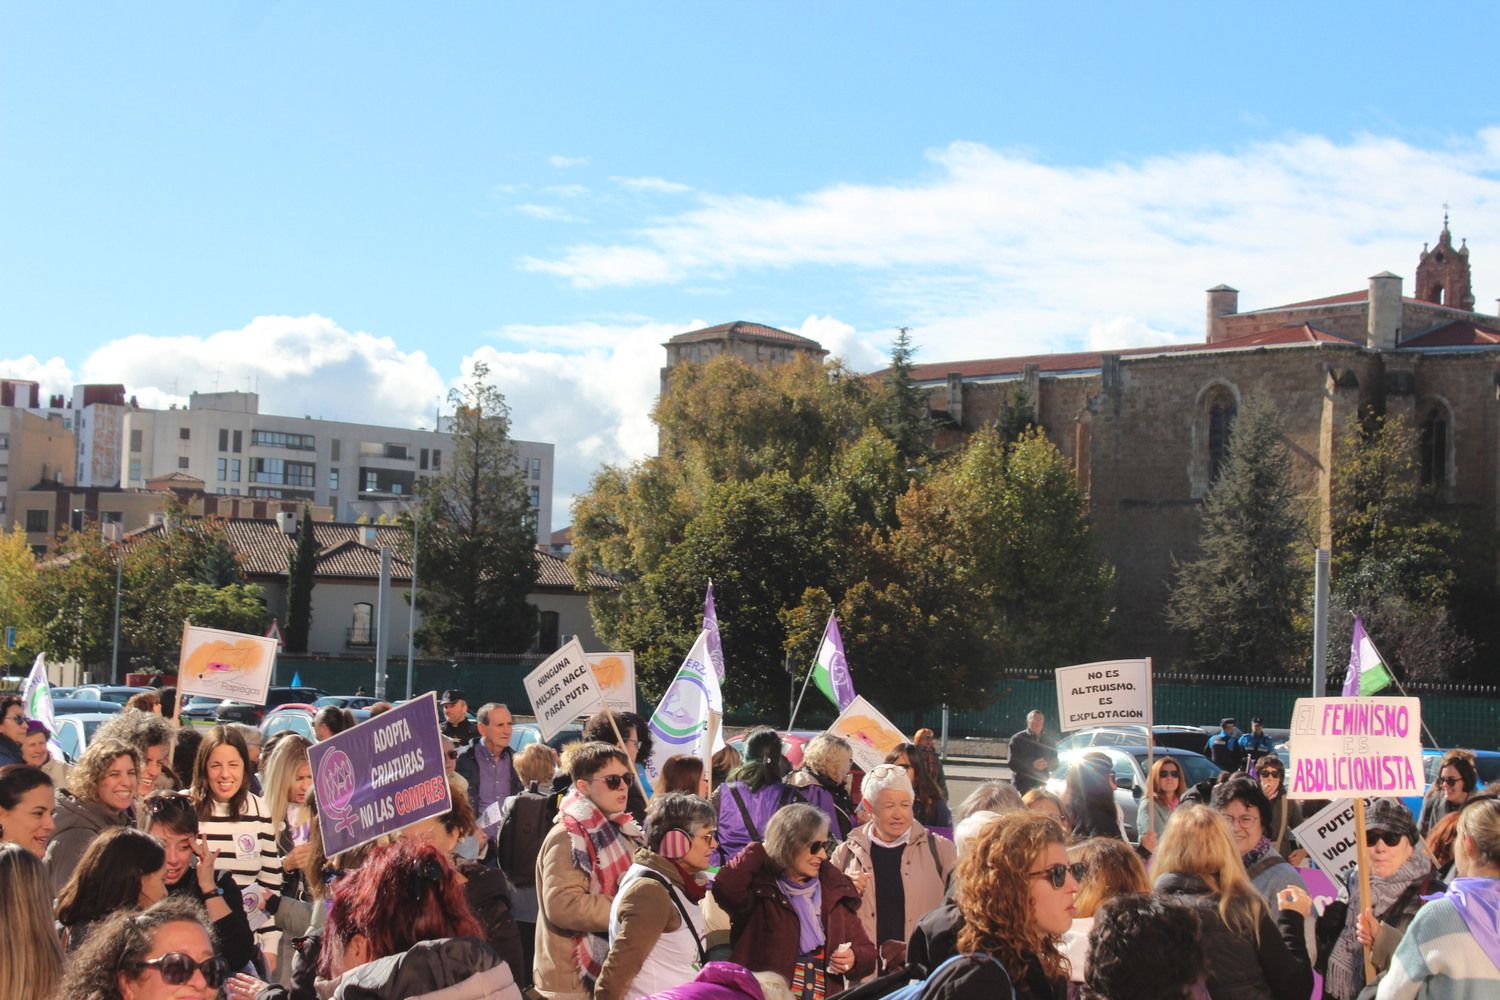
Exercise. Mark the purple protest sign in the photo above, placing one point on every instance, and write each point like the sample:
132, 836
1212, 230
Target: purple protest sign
384, 774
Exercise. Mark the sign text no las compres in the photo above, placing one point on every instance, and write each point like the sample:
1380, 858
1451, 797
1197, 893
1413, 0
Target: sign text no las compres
384, 774
1112, 692
1355, 747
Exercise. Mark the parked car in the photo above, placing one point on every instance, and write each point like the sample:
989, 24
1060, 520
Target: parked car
1182, 737
78, 706
117, 693
199, 710
230, 710
523, 734
346, 701
298, 718
1130, 769
76, 729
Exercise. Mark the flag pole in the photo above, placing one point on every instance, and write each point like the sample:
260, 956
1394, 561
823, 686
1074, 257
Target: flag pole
806, 680
1396, 681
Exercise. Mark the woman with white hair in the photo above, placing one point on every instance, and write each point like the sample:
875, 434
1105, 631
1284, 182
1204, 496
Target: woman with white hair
826, 762
900, 868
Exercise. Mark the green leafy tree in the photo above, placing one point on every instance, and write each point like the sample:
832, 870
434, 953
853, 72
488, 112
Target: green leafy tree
903, 408
217, 565
71, 600
17, 577
185, 550
238, 607
1238, 601
302, 566
479, 558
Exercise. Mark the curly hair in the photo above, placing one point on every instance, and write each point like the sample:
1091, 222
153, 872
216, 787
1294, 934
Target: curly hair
1143, 947
142, 730
1114, 869
994, 894
828, 755
95, 764
121, 943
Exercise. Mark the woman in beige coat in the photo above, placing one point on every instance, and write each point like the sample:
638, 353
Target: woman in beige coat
900, 868
579, 869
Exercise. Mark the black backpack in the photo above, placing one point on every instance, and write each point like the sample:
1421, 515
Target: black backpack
525, 821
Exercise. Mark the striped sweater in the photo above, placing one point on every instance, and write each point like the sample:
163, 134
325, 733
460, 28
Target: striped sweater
1439, 959
247, 850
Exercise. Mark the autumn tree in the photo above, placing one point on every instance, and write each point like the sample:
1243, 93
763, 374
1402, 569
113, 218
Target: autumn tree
17, 576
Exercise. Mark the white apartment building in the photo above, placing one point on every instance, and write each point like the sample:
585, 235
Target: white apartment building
356, 469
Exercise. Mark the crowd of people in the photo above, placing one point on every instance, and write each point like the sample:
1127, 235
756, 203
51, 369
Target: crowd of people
173, 862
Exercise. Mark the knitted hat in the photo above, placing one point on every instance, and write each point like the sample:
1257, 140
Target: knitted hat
1391, 816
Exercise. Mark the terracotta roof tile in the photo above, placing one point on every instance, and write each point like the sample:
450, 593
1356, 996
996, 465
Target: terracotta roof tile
1458, 334
740, 328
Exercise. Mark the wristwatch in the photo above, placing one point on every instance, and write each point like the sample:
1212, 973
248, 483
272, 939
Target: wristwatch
218, 891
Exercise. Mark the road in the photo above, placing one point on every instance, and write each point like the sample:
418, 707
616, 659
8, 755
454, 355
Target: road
967, 773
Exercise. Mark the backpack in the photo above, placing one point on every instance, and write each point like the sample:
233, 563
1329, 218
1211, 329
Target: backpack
914, 989
525, 821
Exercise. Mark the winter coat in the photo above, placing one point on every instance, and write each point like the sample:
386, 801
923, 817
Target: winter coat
977, 978
488, 893
716, 981
642, 916
927, 863
79, 821
1026, 749
764, 929
446, 969
828, 796
935, 938
467, 767
735, 833
10, 752
1239, 968
236, 941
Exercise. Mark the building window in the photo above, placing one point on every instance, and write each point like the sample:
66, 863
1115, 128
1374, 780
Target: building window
333, 449
549, 636
135, 440
222, 469
182, 461
267, 470
221, 491
536, 468
112, 517
4, 473
223, 438
282, 439
361, 631
185, 433
372, 481
4, 441
238, 440
437, 458
135, 470
1220, 421
301, 474
1434, 445
37, 521
422, 461
333, 480
533, 497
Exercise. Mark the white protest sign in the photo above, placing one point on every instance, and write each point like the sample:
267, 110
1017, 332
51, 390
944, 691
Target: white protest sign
871, 735
1110, 693
1355, 746
225, 664
1328, 837
615, 675
563, 688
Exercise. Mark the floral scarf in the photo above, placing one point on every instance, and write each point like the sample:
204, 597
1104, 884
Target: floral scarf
602, 848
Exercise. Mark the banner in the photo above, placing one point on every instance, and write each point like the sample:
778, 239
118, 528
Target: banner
1328, 837
711, 626
36, 695
871, 735
384, 774
688, 719
1110, 693
615, 675
225, 664
562, 689
1367, 670
831, 670
1355, 746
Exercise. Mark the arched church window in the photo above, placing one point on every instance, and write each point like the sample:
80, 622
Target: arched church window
1434, 448
1220, 420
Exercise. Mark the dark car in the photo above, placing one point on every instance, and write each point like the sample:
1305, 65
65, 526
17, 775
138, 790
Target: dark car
230, 710
1130, 772
199, 710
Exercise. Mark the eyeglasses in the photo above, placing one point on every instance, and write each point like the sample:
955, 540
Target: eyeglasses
614, 782
823, 847
1389, 837
1450, 782
1247, 820
710, 836
1058, 874
176, 969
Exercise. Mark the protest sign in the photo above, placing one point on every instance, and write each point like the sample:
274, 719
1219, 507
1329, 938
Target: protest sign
562, 689
384, 774
1355, 747
870, 734
615, 675
225, 664
688, 720
1328, 836
1110, 693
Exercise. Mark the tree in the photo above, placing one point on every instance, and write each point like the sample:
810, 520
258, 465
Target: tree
479, 559
903, 412
302, 566
1238, 601
71, 601
17, 577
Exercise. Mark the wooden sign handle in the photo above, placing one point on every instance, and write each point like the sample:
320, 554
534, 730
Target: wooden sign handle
1362, 854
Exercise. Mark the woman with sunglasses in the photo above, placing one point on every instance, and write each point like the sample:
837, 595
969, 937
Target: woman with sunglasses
1253, 957
1164, 788
899, 867
163, 953
12, 730
656, 927
1400, 875
1285, 814
1455, 784
1015, 889
579, 868
792, 912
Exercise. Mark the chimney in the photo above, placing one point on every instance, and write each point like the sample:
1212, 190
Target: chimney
1222, 301
369, 535
1383, 332
287, 522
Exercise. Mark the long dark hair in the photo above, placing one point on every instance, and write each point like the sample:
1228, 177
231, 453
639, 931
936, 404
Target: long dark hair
924, 784
1091, 800
764, 765
108, 877
202, 798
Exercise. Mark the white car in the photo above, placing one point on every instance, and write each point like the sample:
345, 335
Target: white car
74, 731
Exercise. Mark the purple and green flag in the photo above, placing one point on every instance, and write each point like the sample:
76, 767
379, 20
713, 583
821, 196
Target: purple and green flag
711, 626
1367, 670
831, 669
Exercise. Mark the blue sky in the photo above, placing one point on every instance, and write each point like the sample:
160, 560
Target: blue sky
344, 205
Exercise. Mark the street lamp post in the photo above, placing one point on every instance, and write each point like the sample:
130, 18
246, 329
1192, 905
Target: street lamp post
111, 533
411, 611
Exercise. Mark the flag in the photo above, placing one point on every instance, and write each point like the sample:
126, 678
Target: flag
36, 695
711, 626
1367, 671
831, 670
692, 703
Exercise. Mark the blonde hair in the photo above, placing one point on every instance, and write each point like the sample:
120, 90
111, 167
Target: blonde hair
280, 771
31, 958
828, 755
1031, 798
1198, 843
1480, 822
536, 763
1114, 869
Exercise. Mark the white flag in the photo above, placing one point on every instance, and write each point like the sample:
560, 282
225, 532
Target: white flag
36, 693
693, 703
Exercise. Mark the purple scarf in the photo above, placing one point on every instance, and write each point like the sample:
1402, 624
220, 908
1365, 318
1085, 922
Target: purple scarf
807, 902
1477, 900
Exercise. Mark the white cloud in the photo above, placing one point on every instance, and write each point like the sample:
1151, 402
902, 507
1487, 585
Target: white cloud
659, 185
563, 162
54, 375
1127, 331
547, 213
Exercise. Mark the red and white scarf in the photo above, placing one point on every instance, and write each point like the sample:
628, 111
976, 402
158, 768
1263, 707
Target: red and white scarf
602, 849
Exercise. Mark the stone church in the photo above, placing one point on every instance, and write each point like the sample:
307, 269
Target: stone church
1145, 428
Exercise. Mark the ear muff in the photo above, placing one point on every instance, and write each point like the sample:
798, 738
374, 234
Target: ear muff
675, 844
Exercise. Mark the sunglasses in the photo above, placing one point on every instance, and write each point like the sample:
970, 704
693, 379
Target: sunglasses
176, 969
1450, 782
1171, 774
1058, 874
1388, 837
19, 719
453, 755
823, 847
614, 782
1270, 774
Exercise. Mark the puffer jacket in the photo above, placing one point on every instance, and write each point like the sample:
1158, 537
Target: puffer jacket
1239, 967
446, 969
927, 862
79, 821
